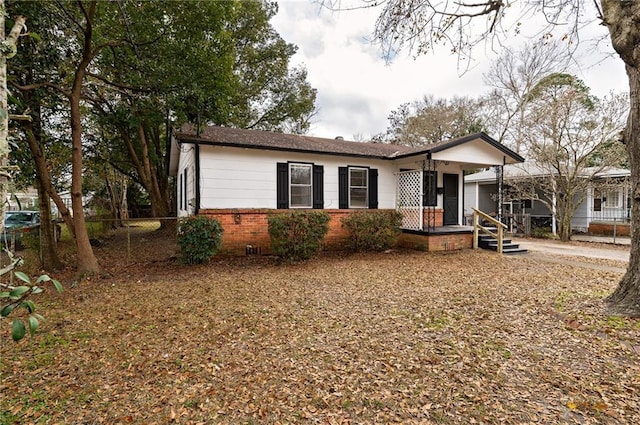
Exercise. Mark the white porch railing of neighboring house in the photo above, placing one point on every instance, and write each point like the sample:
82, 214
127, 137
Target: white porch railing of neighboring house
409, 194
611, 214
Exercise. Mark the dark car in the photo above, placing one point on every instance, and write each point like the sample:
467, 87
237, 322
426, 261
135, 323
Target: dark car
16, 223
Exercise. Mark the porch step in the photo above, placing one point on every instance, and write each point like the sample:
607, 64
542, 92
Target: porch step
508, 247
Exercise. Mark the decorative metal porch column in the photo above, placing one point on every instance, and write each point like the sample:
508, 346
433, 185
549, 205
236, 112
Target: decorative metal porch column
499, 182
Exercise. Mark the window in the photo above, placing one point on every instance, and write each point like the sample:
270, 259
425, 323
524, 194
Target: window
597, 200
612, 199
184, 191
358, 187
181, 190
429, 183
300, 185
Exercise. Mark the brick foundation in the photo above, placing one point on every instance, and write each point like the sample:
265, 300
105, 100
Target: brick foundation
439, 215
246, 232
437, 242
606, 228
249, 227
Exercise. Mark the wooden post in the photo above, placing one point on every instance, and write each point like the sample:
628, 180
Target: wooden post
475, 230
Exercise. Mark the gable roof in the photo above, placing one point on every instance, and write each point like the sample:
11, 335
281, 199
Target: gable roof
267, 140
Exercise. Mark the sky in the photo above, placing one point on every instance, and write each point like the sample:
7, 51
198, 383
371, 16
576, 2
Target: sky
357, 88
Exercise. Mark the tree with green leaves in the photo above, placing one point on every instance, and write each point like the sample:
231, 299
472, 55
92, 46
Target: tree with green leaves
231, 69
127, 71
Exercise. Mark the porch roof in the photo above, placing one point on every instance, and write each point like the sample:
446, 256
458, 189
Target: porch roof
532, 169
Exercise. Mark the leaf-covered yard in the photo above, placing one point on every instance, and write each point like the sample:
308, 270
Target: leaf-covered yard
403, 337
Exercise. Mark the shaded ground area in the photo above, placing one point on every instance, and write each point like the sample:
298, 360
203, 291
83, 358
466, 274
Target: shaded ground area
405, 337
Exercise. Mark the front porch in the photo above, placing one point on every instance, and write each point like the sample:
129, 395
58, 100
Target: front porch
440, 238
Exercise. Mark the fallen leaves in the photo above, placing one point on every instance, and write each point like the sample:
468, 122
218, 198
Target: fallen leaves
401, 337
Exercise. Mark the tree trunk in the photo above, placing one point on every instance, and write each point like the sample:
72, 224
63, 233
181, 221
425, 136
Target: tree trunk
623, 22
7, 50
625, 299
86, 260
42, 173
565, 227
48, 231
148, 174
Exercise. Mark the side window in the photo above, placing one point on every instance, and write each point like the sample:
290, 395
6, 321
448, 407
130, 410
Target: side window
180, 204
184, 191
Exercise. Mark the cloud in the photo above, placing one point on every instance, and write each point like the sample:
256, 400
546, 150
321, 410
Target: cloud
357, 89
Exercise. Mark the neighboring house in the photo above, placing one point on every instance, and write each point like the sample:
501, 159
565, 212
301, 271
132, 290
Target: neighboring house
242, 176
607, 198
26, 199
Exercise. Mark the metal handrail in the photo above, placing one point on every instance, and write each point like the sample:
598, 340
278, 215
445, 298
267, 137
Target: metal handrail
477, 228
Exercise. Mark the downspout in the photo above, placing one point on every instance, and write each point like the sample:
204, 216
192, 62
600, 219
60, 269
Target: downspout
197, 178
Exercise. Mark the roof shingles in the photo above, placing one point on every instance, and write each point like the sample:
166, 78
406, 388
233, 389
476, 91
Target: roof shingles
258, 139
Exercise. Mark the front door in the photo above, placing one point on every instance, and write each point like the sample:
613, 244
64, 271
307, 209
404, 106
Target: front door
450, 201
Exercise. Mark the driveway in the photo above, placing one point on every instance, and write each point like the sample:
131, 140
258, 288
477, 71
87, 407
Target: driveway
579, 249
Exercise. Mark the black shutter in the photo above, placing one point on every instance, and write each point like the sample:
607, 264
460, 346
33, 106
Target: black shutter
373, 188
282, 181
318, 186
343, 188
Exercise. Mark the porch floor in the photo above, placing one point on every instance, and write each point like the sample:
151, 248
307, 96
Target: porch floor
441, 230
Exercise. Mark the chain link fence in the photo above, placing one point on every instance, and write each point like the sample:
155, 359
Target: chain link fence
527, 224
133, 240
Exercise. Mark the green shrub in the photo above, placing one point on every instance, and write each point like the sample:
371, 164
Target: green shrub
542, 233
199, 238
30, 239
374, 230
298, 235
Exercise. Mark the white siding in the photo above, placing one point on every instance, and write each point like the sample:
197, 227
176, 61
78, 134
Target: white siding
580, 219
246, 178
473, 152
470, 198
187, 161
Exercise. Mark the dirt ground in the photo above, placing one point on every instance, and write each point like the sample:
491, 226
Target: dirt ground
402, 337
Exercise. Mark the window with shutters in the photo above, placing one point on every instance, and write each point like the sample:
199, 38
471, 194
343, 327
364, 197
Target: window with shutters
358, 188
300, 185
